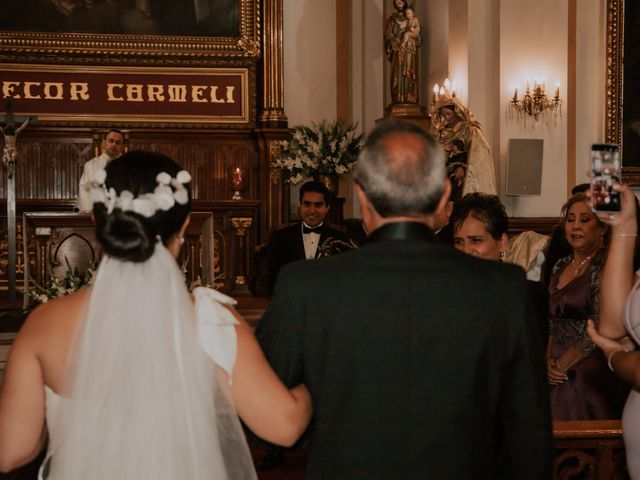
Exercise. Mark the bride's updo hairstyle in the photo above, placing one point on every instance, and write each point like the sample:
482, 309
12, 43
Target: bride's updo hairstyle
131, 236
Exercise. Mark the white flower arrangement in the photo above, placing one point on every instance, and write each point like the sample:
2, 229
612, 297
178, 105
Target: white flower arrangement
322, 149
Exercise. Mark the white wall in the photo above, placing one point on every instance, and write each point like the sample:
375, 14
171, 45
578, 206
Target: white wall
309, 56
434, 61
368, 86
483, 82
591, 81
535, 50
309, 60
368, 59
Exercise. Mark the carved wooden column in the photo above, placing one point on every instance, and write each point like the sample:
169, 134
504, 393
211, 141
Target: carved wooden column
240, 226
272, 114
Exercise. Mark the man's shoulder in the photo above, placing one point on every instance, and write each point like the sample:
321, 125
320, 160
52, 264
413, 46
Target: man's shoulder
335, 231
286, 229
284, 236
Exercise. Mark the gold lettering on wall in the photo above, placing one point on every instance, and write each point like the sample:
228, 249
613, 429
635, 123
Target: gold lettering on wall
9, 89
155, 93
230, 94
119, 92
111, 95
130, 94
134, 93
27, 90
48, 87
79, 91
177, 93
197, 92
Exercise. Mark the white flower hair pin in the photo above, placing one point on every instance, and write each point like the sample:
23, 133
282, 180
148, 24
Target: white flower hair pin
163, 197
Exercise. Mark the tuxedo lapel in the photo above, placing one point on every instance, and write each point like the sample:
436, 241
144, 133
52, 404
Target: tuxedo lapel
323, 238
299, 244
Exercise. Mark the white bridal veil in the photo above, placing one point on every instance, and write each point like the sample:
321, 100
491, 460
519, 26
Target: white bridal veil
143, 401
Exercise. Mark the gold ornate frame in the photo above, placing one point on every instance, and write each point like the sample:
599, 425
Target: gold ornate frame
105, 49
615, 86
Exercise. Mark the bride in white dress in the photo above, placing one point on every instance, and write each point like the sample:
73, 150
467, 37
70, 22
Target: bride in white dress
133, 378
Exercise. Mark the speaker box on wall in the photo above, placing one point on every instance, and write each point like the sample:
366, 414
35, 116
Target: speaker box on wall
524, 166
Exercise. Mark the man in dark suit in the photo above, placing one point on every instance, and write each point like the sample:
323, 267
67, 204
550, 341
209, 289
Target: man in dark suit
311, 238
421, 361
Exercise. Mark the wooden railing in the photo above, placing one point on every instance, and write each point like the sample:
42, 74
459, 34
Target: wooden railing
589, 449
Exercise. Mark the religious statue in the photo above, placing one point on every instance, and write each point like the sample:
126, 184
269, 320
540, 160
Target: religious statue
469, 163
402, 37
10, 152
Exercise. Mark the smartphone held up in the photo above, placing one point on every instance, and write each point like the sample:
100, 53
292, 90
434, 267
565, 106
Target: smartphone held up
605, 173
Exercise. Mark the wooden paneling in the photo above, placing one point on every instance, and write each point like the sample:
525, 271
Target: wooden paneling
50, 168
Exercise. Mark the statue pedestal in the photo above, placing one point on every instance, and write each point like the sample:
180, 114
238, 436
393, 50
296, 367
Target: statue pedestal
411, 112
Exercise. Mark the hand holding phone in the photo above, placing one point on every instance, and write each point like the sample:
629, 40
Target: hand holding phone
605, 173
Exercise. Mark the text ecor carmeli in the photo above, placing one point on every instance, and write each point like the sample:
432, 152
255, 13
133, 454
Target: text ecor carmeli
119, 92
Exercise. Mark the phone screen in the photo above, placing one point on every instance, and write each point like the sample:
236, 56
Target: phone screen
605, 173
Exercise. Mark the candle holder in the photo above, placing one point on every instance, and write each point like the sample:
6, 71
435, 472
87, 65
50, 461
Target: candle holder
237, 182
535, 102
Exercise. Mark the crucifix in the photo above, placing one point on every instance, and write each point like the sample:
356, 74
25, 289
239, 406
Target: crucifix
9, 157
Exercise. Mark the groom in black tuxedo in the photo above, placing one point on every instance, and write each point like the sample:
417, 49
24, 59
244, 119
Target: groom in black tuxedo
421, 361
307, 239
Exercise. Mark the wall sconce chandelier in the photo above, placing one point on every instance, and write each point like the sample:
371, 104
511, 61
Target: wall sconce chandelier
535, 103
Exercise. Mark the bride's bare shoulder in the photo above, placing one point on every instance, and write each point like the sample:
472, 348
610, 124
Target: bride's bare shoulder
56, 314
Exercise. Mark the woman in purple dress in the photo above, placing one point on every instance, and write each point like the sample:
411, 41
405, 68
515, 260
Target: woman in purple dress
583, 388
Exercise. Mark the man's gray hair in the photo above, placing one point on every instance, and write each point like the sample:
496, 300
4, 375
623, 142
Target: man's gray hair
401, 181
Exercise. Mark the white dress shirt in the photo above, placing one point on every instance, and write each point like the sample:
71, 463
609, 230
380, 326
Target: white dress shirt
310, 241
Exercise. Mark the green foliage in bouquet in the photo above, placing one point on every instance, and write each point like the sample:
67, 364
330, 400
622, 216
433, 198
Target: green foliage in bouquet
72, 281
325, 148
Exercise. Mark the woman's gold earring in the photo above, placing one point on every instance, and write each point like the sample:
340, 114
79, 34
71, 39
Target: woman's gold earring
181, 240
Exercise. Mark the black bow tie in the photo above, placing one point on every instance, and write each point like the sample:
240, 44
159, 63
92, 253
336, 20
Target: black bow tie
317, 229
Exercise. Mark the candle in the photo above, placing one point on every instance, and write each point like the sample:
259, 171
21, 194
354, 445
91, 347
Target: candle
237, 180
447, 84
435, 93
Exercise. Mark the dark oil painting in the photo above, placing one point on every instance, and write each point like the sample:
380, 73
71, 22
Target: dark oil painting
204, 18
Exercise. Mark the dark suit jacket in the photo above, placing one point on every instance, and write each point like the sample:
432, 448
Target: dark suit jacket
286, 246
420, 361
445, 234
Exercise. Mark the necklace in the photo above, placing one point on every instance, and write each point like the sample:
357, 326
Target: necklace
576, 269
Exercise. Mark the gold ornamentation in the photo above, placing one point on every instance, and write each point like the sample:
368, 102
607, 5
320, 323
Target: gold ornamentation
535, 102
135, 49
615, 69
249, 46
241, 225
272, 65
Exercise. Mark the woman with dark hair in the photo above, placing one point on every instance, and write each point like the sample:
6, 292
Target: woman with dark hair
582, 386
480, 226
133, 375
